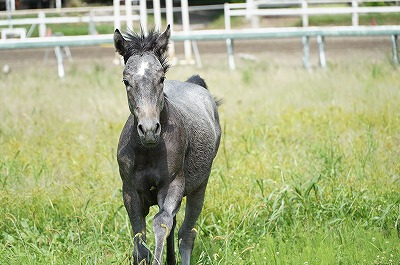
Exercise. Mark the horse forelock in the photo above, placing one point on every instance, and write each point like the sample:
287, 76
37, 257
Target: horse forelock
141, 43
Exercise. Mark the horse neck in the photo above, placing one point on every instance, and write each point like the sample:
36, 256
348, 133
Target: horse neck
170, 114
165, 112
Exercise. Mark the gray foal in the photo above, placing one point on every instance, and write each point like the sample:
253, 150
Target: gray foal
166, 147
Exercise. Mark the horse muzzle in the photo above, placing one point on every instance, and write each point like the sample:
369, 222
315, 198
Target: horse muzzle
149, 131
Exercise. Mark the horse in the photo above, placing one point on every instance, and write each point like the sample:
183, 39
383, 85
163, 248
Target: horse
166, 148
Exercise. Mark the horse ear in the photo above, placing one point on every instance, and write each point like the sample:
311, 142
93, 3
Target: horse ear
119, 42
163, 39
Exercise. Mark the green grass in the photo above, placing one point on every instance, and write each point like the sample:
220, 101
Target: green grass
307, 172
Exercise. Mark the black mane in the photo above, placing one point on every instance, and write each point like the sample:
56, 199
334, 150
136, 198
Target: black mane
140, 43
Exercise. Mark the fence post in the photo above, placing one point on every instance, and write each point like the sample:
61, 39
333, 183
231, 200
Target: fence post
11, 3
354, 18
8, 8
304, 10
58, 5
117, 15
128, 14
227, 16
42, 24
169, 5
250, 7
143, 15
92, 25
157, 14
186, 28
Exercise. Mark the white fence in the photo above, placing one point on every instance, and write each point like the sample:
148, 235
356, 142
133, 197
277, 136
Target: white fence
254, 9
230, 35
45, 17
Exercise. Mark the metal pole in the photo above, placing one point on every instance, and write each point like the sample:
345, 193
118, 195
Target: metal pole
306, 52
60, 64
157, 14
186, 29
231, 57
117, 15
229, 42
321, 51
394, 50
197, 54
128, 14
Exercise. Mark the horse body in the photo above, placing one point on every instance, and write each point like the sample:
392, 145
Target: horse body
166, 149
197, 110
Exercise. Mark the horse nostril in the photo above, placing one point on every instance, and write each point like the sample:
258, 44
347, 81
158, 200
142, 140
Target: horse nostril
141, 129
158, 128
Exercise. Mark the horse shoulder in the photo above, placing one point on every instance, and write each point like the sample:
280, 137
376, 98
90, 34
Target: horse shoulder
125, 153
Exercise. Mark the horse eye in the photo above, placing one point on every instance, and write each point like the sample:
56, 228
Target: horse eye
126, 83
162, 79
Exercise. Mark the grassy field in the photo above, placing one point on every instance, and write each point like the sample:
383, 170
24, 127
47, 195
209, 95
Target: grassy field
308, 171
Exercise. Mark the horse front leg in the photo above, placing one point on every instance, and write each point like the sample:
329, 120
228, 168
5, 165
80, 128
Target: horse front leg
137, 216
171, 259
169, 201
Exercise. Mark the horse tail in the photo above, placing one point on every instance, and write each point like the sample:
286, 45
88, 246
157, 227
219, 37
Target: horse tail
196, 79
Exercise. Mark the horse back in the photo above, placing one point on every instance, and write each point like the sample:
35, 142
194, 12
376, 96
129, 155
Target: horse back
195, 104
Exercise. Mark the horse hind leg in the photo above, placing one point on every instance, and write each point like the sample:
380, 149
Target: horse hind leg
187, 232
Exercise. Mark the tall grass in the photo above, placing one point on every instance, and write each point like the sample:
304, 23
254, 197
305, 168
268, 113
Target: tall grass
307, 172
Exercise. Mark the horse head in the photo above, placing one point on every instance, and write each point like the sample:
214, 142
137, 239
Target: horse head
145, 57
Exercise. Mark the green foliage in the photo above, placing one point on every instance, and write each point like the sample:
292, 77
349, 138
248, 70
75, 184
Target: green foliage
307, 172
75, 3
377, 3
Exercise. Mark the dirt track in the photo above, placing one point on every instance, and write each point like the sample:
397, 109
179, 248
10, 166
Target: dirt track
287, 51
